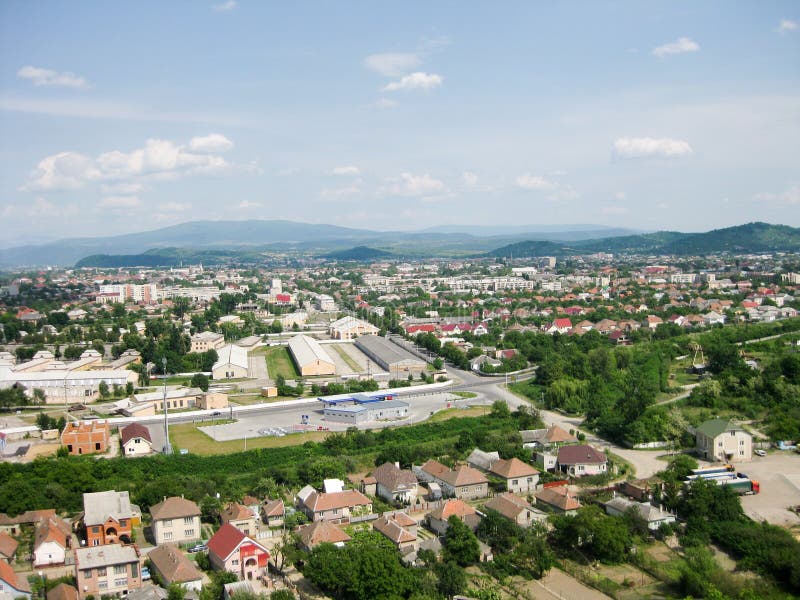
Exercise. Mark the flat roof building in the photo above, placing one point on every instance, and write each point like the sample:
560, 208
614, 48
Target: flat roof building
310, 357
362, 413
389, 356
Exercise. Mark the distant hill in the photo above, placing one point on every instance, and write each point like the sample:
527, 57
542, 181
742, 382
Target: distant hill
359, 254
536, 232
751, 237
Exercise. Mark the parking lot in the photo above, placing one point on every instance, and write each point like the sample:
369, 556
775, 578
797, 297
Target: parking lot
778, 473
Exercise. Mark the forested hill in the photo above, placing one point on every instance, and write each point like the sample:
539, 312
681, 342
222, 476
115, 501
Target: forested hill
751, 237
359, 253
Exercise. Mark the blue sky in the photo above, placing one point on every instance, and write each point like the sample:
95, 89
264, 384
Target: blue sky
118, 117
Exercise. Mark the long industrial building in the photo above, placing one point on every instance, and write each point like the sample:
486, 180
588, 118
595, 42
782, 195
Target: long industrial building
310, 357
389, 356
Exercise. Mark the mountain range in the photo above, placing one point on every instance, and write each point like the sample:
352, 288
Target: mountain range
216, 242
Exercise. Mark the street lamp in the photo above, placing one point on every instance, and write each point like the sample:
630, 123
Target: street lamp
167, 446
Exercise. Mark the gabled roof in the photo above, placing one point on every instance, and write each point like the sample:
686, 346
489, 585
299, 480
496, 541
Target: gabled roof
99, 506
322, 532
508, 505
53, 529
227, 539
135, 430
481, 459
435, 468
29, 516
580, 455
63, 591
173, 565
274, 508
236, 512
452, 507
389, 527
508, 469
8, 545
319, 502
558, 497
714, 427
8, 575
394, 478
174, 508
103, 556
463, 475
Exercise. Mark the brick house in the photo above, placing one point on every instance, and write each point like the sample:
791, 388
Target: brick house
109, 517
87, 437
231, 550
107, 570
520, 477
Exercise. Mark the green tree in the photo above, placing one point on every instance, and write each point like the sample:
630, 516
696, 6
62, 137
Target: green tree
200, 380
460, 544
103, 390
452, 579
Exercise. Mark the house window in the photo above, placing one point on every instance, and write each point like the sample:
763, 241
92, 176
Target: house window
69, 447
120, 570
235, 562
188, 532
121, 582
134, 570
719, 443
87, 574
515, 482
167, 535
95, 530
168, 523
103, 585
101, 572
187, 520
741, 442
123, 522
97, 445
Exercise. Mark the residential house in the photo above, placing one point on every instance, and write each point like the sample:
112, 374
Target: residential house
207, 340
107, 570
561, 326
520, 477
231, 550
558, 500
12, 525
241, 517
175, 520
172, 566
641, 489
464, 482
654, 516
396, 529
108, 517
437, 519
581, 460
482, 460
320, 532
515, 509
348, 328
394, 484
11, 585
273, 512
552, 437
63, 591
87, 437
8, 547
334, 506
136, 440
723, 440
52, 540
429, 470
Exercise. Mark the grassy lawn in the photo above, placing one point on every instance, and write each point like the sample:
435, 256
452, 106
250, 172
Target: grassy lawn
346, 358
466, 394
280, 363
453, 413
188, 436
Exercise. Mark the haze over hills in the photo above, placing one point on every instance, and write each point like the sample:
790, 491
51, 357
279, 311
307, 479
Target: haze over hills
272, 235
750, 237
245, 241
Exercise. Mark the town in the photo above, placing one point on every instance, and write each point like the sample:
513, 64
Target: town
486, 427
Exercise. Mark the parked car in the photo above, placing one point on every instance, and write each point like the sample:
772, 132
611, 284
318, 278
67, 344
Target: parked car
760, 452
216, 413
198, 548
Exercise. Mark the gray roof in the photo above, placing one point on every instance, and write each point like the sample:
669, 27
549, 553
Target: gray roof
482, 460
231, 354
103, 556
358, 408
387, 351
98, 506
307, 350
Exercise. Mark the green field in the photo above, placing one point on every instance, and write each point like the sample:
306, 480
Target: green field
280, 363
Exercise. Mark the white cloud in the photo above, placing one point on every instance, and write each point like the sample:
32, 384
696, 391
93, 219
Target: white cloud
470, 178
620, 195
679, 46
247, 204
415, 81
535, 182
213, 142
416, 185
176, 206
45, 77
43, 208
787, 25
644, 147
225, 6
124, 188
790, 196
342, 192
158, 160
392, 64
119, 202
347, 170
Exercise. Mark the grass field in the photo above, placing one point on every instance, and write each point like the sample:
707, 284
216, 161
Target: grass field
280, 363
188, 436
346, 358
454, 413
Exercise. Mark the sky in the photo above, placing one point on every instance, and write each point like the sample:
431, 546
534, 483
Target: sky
118, 117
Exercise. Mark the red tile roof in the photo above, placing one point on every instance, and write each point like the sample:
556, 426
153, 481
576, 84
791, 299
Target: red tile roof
509, 469
580, 455
225, 541
135, 430
7, 574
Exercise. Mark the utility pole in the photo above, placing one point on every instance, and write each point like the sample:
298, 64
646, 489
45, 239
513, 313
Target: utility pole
167, 445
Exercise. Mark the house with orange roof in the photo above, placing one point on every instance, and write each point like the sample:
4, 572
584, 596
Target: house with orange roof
8, 546
321, 532
437, 519
11, 585
394, 528
515, 509
558, 499
464, 482
241, 517
519, 476
52, 540
335, 506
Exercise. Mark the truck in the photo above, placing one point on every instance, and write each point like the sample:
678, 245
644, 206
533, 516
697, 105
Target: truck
738, 482
713, 470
